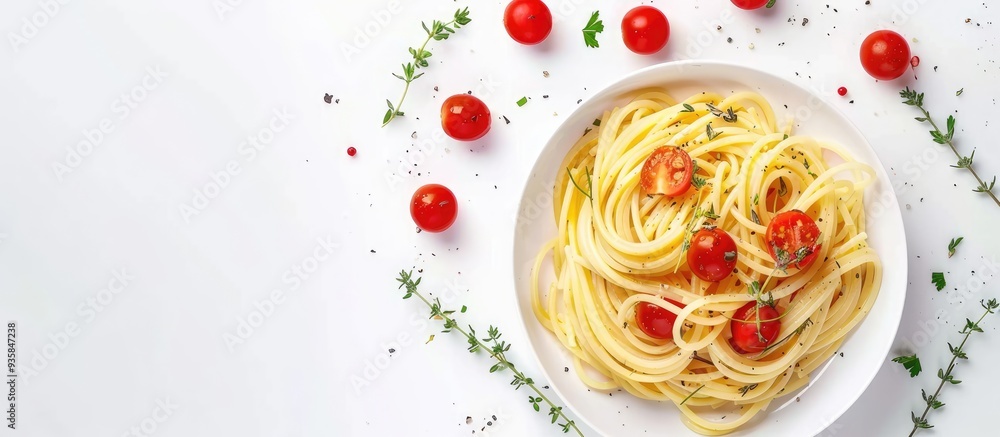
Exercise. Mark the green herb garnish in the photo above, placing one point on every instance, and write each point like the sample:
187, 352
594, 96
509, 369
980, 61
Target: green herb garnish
909, 362
946, 376
937, 278
437, 31
953, 245
493, 345
594, 26
912, 98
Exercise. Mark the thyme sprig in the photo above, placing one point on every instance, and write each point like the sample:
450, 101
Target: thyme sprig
766, 298
912, 98
437, 31
693, 224
946, 376
493, 345
709, 132
589, 192
728, 115
691, 395
714, 110
696, 181
692, 228
797, 331
746, 389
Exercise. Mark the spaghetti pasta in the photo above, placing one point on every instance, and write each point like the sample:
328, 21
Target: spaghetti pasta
618, 246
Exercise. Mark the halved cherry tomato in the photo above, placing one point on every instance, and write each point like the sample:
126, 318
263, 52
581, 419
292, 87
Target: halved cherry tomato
795, 234
712, 255
885, 55
656, 321
744, 328
667, 171
433, 208
464, 117
527, 21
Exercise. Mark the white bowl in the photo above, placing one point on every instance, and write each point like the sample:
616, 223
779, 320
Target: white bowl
836, 385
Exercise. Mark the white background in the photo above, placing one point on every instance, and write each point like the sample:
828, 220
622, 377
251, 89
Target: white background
194, 275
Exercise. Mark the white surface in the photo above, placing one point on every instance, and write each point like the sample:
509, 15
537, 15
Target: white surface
835, 385
161, 338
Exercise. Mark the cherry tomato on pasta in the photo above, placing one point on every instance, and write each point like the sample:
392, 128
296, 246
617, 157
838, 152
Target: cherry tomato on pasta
433, 208
792, 238
885, 55
744, 328
667, 171
656, 321
464, 117
750, 4
712, 255
527, 21
645, 30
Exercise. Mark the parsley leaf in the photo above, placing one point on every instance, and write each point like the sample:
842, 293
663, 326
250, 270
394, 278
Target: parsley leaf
911, 363
937, 278
594, 26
